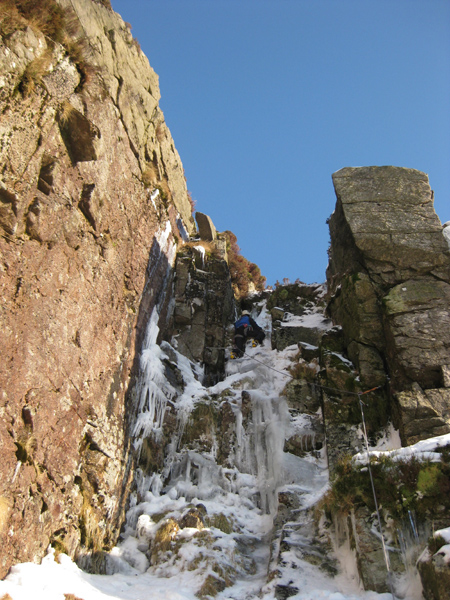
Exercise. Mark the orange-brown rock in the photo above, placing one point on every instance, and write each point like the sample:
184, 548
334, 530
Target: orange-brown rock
92, 195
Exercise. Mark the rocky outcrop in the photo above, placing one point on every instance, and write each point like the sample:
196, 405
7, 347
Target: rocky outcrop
297, 315
434, 569
93, 203
92, 199
389, 284
206, 228
204, 307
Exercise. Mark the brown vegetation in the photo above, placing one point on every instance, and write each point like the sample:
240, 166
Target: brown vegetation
60, 26
211, 251
66, 112
303, 371
208, 246
192, 202
243, 272
34, 72
160, 133
47, 16
164, 189
150, 174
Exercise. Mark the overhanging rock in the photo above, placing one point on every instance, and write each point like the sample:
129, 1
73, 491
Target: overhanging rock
206, 227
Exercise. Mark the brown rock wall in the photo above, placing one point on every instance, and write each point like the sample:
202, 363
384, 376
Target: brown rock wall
82, 263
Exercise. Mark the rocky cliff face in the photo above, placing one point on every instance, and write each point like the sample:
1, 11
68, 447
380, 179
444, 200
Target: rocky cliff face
389, 280
389, 286
96, 401
204, 308
92, 199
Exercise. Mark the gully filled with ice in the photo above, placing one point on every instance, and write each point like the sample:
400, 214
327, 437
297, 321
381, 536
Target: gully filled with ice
228, 512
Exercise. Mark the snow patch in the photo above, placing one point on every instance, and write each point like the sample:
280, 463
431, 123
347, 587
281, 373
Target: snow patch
311, 321
423, 450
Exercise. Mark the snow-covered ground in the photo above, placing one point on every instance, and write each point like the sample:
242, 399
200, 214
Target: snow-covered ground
53, 580
261, 467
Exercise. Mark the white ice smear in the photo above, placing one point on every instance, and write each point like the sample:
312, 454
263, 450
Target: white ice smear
424, 450
312, 321
153, 197
446, 232
202, 251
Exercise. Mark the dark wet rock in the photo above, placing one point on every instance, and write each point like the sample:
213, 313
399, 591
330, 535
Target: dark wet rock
434, 570
204, 309
285, 591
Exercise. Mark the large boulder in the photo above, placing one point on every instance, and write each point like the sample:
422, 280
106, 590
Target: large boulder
389, 284
206, 228
389, 214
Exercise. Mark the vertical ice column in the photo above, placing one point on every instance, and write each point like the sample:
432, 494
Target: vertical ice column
269, 427
153, 391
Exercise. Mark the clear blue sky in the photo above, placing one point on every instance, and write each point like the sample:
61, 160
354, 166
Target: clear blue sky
265, 99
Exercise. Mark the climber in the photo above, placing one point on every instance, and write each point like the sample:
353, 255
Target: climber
244, 329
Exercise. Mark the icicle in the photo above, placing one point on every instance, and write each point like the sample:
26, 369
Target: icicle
385, 551
19, 464
269, 435
413, 526
201, 250
153, 197
153, 391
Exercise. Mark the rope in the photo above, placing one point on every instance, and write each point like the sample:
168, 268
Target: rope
366, 440
317, 385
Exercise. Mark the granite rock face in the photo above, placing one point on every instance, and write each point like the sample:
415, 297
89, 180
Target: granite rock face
92, 196
390, 215
389, 284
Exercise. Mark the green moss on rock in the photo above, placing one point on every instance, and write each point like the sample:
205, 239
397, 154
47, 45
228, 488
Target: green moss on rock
220, 521
401, 488
202, 424
413, 294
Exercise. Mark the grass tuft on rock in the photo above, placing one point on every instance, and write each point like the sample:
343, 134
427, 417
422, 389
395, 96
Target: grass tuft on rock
402, 488
59, 26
